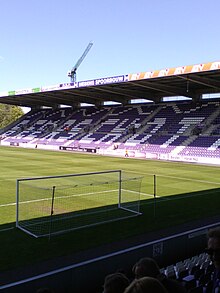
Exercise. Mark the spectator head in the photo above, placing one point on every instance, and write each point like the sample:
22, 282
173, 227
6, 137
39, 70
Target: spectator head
146, 284
146, 267
115, 283
214, 246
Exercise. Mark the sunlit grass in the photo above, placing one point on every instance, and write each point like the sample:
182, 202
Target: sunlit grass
183, 192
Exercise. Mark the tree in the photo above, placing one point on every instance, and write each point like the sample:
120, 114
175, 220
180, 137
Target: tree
9, 114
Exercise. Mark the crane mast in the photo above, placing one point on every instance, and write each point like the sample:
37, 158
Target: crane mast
72, 73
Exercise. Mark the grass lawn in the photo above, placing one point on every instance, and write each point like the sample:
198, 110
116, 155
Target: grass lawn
183, 192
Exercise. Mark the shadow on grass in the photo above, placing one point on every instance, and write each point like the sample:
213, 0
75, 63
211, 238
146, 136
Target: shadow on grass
19, 249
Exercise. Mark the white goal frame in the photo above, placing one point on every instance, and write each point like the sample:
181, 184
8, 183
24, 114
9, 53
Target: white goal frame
127, 200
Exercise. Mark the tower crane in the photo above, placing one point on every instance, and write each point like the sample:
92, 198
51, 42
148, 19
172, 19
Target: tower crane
72, 73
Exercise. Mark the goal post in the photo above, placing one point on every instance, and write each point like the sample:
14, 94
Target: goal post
53, 205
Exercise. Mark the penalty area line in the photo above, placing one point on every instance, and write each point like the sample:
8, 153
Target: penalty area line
7, 229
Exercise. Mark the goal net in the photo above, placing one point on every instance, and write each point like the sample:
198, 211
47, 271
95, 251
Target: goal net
52, 205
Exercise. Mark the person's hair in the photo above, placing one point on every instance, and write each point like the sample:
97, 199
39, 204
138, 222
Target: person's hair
145, 284
115, 283
214, 233
146, 267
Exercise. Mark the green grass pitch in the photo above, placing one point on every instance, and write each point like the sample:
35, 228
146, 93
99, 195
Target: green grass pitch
184, 192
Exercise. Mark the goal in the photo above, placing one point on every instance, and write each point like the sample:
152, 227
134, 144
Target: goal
53, 205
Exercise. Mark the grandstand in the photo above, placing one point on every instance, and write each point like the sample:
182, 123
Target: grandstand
183, 131
111, 116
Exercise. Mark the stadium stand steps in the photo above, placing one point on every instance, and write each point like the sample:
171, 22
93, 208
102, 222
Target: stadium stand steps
194, 273
171, 128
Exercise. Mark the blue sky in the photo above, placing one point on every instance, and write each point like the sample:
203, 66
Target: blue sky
41, 40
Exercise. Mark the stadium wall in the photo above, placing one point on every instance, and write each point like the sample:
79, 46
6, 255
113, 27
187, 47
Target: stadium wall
121, 153
88, 275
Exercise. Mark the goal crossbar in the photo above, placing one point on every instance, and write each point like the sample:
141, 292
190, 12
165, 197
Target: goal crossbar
53, 205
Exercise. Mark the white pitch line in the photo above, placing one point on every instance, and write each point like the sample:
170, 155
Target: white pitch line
49, 198
175, 177
91, 193
7, 204
103, 257
6, 229
168, 198
189, 179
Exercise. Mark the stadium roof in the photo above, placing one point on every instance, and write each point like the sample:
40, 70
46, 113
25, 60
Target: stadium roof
189, 81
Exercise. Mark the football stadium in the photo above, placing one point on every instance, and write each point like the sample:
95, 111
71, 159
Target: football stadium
100, 173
